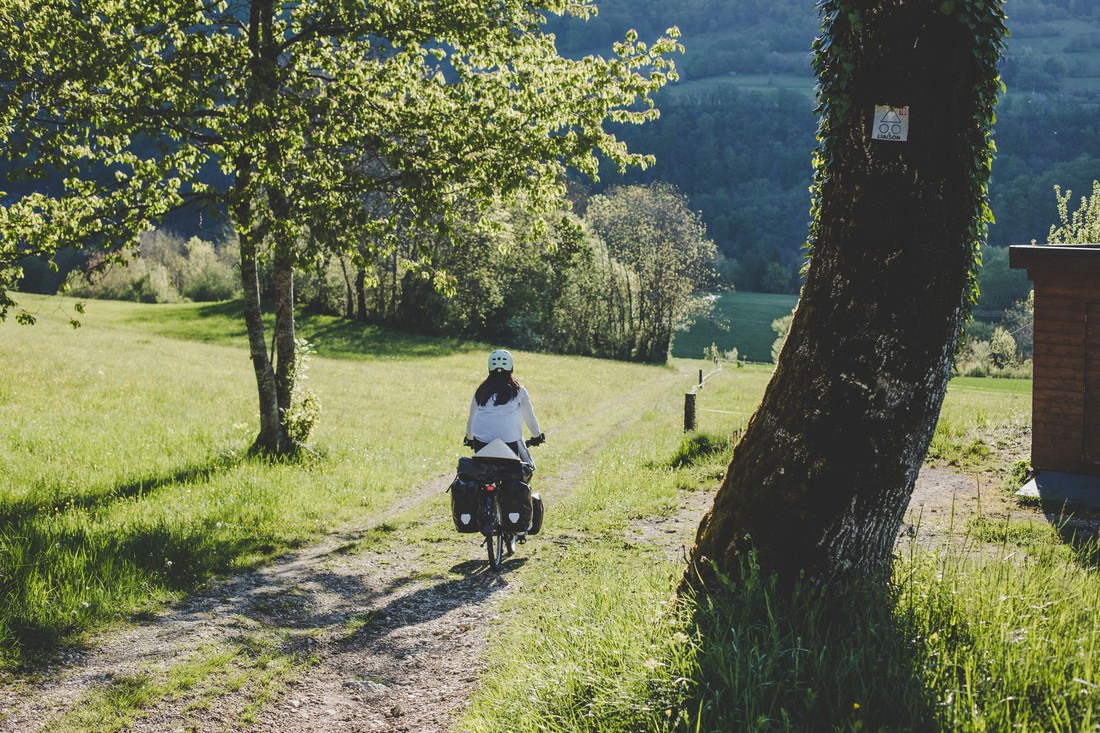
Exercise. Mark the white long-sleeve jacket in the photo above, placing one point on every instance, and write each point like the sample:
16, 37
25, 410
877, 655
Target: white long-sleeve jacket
505, 421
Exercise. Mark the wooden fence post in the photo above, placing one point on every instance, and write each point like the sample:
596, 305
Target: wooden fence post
689, 412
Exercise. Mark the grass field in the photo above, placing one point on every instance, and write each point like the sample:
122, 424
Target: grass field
744, 83
123, 484
123, 474
740, 320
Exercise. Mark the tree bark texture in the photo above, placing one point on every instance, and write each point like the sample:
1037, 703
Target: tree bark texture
272, 437
821, 479
284, 326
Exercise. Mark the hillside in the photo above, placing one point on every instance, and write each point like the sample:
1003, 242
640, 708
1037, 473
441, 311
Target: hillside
1054, 47
737, 132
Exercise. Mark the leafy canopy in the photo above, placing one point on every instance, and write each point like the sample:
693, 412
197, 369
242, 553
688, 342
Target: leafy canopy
339, 116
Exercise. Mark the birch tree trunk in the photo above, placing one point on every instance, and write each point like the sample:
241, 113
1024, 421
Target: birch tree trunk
272, 437
821, 479
284, 327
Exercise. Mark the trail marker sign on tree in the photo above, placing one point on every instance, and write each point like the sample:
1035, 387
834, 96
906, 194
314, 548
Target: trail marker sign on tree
890, 123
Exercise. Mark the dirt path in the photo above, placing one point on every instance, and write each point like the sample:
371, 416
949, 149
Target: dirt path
357, 634
380, 643
360, 632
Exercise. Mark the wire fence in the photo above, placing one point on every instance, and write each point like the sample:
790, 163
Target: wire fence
690, 407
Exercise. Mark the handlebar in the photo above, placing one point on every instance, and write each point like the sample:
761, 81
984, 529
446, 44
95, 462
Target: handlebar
537, 440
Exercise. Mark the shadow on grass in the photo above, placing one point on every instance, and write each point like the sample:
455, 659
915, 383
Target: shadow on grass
333, 337
1079, 529
59, 582
15, 513
342, 338
808, 658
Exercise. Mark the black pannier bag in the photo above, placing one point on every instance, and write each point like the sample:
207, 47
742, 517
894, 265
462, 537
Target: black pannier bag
515, 505
466, 508
469, 469
537, 511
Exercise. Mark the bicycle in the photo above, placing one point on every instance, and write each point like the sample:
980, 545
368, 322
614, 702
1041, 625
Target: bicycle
493, 474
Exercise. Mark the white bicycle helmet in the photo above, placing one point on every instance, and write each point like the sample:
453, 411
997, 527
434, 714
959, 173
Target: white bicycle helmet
500, 359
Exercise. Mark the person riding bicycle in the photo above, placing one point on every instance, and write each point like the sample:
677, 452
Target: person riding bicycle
500, 408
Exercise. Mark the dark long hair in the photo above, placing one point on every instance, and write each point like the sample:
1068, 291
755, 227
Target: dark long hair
500, 385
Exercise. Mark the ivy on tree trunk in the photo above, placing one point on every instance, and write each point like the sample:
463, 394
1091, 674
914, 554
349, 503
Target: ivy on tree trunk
820, 481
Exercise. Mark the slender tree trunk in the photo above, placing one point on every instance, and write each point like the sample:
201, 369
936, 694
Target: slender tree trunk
391, 316
823, 474
284, 325
361, 292
349, 302
272, 437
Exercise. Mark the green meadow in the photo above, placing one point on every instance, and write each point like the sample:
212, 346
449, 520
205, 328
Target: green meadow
125, 485
741, 321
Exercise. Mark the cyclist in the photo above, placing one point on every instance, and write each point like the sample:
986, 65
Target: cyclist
500, 408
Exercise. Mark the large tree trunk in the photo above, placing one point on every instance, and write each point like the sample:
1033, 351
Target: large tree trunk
823, 474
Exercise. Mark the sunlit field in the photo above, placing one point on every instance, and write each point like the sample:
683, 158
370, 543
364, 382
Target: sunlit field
125, 484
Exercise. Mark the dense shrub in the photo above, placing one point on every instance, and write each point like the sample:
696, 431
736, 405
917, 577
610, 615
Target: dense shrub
996, 356
167, 270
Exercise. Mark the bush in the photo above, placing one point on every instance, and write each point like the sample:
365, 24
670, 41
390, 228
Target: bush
167, 270
305, 406
137, 281
207, 274
1002, 348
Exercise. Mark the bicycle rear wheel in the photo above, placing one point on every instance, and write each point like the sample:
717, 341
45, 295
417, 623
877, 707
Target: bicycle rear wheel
494, 540
495, 545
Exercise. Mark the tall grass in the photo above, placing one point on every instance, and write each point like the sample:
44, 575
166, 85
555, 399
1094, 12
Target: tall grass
957, 641
998, 632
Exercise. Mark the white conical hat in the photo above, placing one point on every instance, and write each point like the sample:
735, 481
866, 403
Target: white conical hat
497, 449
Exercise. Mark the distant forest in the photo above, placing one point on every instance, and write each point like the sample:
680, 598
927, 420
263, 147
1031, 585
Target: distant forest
741, 153
737, 131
